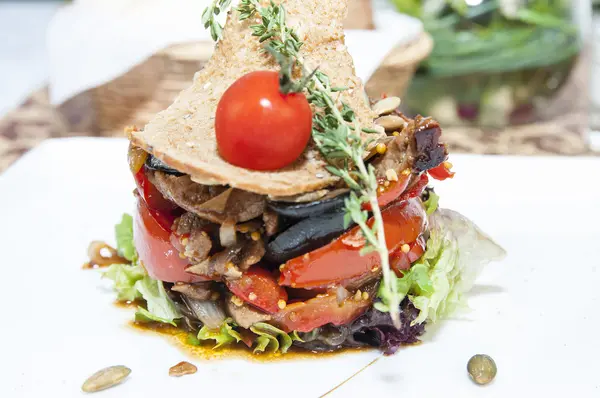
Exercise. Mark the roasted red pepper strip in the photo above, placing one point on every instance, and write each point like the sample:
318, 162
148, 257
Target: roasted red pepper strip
416, 190
340, 262
387, 195
442, 172
321, 310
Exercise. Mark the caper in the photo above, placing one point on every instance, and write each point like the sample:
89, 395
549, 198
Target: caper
482, 369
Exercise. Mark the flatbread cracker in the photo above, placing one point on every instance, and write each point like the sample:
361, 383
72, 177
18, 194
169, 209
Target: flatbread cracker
183, 135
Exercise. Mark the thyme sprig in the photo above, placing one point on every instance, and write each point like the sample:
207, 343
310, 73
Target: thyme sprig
209, 17
335, 131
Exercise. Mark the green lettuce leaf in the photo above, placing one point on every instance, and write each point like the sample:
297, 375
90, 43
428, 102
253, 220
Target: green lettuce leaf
159, 306
431, 204
271, 338
125, 277
132, 283
223, 336
144, 316
193, 340
124, 234
295, 337
437, 284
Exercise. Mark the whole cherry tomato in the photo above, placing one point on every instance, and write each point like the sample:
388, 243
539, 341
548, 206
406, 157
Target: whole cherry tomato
257, 127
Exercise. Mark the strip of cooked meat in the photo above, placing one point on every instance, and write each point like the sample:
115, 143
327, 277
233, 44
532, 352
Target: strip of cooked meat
244, 315
231, 261
197, 291
244, 206
182, 190
214, 203
197, 242
271, 220
429, 151
251, 254
416, 148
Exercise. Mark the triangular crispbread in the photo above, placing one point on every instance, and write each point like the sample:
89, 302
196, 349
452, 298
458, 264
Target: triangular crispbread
183, 135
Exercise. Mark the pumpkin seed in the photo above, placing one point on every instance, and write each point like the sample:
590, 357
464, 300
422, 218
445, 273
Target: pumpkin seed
482, 369
386, 105
391, 122
106, 378
182, 369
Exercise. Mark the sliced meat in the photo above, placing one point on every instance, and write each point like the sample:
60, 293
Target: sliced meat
244, 206
197, 246
251, 254
271, 220
230, 263
196, 241
182, 190
430, 152
214, 203
196, 291
187, 223
398, 156
220, 264
416, 148
244, 315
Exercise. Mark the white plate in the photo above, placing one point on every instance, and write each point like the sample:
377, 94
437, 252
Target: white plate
536, 313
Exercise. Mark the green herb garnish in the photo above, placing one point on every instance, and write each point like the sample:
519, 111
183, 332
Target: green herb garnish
209, 17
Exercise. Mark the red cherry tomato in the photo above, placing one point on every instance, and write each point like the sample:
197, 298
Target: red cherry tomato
257, 127
442, 171
321, 310
156, 252
259, 288
340, 261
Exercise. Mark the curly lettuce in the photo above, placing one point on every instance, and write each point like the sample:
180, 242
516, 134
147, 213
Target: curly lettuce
272, 339
159, 307
437, 284
225, 335
124, 237
125, 277
267, 337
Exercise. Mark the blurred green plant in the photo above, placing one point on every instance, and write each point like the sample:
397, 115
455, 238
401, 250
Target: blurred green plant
491, 55
495, 35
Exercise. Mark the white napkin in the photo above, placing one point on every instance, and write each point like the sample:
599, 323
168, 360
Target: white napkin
91, 42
